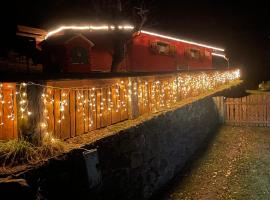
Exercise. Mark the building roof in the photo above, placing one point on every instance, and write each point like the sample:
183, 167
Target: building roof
65, 39
107, 28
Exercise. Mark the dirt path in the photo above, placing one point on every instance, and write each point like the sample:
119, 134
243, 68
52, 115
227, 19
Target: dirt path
235, 166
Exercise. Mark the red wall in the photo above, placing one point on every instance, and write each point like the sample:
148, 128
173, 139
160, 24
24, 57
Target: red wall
77, 67
141, 58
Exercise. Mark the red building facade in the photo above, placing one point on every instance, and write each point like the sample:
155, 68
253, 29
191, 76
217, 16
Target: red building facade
144, 52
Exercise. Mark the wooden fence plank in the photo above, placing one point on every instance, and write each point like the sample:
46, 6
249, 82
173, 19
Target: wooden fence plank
57, 118
92, 109
103, 108
244, 109
98, 101
236, 110
65, 115
115, 112
8, 126
49, 111
109, 105
79, 112
72, 113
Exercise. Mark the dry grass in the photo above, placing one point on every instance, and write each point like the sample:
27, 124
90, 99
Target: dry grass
19, 151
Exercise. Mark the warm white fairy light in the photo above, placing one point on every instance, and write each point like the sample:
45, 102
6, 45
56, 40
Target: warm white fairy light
169, 91
88, 27
11, 116
91, 106
109, 99
152, 95
181, 40
125, 97
219, 55
24, 112
63, 103
126, 27
117, 97
84, 102
43, 125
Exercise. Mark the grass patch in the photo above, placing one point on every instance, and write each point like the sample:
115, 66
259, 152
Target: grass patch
20, 151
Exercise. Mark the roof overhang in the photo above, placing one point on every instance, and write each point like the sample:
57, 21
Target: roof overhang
182, 40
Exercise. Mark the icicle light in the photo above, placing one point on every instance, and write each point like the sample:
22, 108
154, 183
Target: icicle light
92, 105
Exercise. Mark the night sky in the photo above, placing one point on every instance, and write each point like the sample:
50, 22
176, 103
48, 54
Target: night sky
242, 28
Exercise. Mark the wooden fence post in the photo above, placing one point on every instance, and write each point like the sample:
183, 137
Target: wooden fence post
221, 108
133, 107
30, 112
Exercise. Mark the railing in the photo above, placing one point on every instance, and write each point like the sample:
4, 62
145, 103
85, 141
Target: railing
68, 108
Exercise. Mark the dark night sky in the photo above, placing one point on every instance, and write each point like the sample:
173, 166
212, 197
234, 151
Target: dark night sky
242, 28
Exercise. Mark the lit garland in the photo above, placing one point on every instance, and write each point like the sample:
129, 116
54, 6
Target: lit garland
23, 102
128, 27
89, 28
182, 40
98, 103
11, 116
92, 106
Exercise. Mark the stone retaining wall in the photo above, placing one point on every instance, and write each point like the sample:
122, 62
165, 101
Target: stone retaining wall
134, 163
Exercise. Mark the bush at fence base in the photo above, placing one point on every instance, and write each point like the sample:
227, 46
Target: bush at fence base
20, 151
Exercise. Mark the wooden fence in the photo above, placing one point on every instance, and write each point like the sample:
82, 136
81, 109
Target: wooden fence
8, 111
252, 110
74, 112
68, 108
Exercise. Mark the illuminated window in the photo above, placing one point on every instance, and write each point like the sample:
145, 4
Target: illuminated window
194, 53
79, 55
163, 48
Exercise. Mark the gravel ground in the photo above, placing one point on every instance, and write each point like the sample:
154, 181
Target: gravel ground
236, 165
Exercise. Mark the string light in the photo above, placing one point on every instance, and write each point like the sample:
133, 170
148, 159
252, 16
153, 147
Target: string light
125, 27
219, 55
91, 106
87, 27
23, 101
153, 95
181, 40
11, 116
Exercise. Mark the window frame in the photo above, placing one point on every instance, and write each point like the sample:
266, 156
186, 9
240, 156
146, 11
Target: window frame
84, 59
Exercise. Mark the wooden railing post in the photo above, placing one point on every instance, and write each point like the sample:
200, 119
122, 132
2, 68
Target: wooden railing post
30, 108
133, 107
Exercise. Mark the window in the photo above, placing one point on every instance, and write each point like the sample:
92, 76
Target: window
194, 54
163, 48
79, 55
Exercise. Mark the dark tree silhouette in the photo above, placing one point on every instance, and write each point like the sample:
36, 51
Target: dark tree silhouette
117, 12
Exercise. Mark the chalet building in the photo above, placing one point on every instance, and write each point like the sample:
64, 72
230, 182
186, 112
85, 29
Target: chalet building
143, 52
78, 53
84, 51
